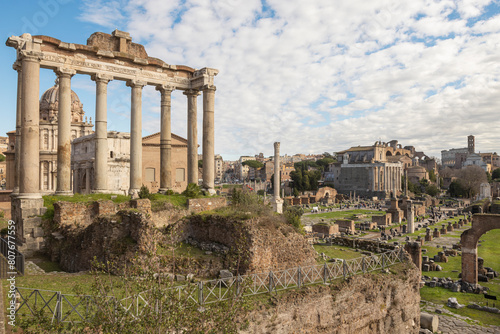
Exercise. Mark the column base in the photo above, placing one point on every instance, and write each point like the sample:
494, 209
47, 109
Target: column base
278, 205
133, 193
64, 193
211, 191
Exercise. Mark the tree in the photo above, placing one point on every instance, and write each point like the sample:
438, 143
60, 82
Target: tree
471, 178
253, 163
457, 190
200, 163
496, 174
323, 163
432, 190
432, 175
2, 157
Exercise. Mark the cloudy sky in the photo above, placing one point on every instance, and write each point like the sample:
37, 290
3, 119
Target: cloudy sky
316, 75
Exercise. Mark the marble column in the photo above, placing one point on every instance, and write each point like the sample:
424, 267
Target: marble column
192, 158
208, 138
101, 133
136, 137
29, 160
165, 138
17, 143
277, 201
64, 132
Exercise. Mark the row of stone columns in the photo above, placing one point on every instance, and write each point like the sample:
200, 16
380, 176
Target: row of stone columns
27, 176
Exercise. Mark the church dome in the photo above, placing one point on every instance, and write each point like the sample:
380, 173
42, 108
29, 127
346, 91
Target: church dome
49, 104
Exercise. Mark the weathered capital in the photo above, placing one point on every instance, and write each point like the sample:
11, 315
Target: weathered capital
64, 72
136, 83
208, 87
165, 88
17, 66
33, 56
189, 92
277, 146
98, 77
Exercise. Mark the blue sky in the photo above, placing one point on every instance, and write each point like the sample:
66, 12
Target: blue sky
317, 76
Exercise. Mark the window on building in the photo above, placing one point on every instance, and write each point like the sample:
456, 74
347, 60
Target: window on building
180, 175
150, 174
111, 154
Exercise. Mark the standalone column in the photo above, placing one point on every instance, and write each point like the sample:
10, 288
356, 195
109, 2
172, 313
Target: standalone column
135, 137
192, 158
17, 143
101, 134
277, 201
29, 160
165, 139
208, 138
64, 132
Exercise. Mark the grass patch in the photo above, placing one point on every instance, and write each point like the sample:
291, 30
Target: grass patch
159, 201
347, 214
48, 201
337, 252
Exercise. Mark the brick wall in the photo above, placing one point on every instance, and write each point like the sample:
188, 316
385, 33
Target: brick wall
205, 204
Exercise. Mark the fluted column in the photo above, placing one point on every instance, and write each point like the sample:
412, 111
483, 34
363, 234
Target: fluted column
101, 133
192, 158
29, 160
17, 143
64, 132
135, 137
208, 138
165, 138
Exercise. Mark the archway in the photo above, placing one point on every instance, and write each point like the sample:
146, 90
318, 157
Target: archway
481, 223
388, 154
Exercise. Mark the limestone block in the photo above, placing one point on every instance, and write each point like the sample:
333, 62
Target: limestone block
429, 321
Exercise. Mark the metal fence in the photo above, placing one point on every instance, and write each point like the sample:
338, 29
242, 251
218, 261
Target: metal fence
76, 308
9, 256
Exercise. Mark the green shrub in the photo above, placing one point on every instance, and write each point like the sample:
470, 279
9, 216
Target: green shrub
192, 190
144, 192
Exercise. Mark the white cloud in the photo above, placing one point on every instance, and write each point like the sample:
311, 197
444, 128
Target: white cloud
412, 71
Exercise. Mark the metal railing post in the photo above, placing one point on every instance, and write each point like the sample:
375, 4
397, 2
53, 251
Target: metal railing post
238, 285
363, 265
270, 282
200, 294
299, 278
325, 273
59, 307
344, 268
383, 261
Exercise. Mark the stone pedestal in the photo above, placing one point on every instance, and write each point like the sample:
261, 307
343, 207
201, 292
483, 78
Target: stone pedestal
278, 205
26, 214
449, 228
436, 233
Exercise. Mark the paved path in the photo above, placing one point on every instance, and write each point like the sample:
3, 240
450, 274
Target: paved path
452, 325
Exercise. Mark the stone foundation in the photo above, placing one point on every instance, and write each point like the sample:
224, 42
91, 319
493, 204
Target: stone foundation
26, 214
363, 304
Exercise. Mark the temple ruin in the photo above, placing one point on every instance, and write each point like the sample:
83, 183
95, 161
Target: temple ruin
105, 57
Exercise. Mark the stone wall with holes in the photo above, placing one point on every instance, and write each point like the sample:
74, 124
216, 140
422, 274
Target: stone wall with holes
205, 204
371, 303
67, 214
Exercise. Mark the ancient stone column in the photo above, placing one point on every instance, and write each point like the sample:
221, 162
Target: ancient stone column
277, 201
17, 143
165, 138
64, 132
192, 158
208, 138
135, 137
29, 160
406, 182
101, 134
410, 216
